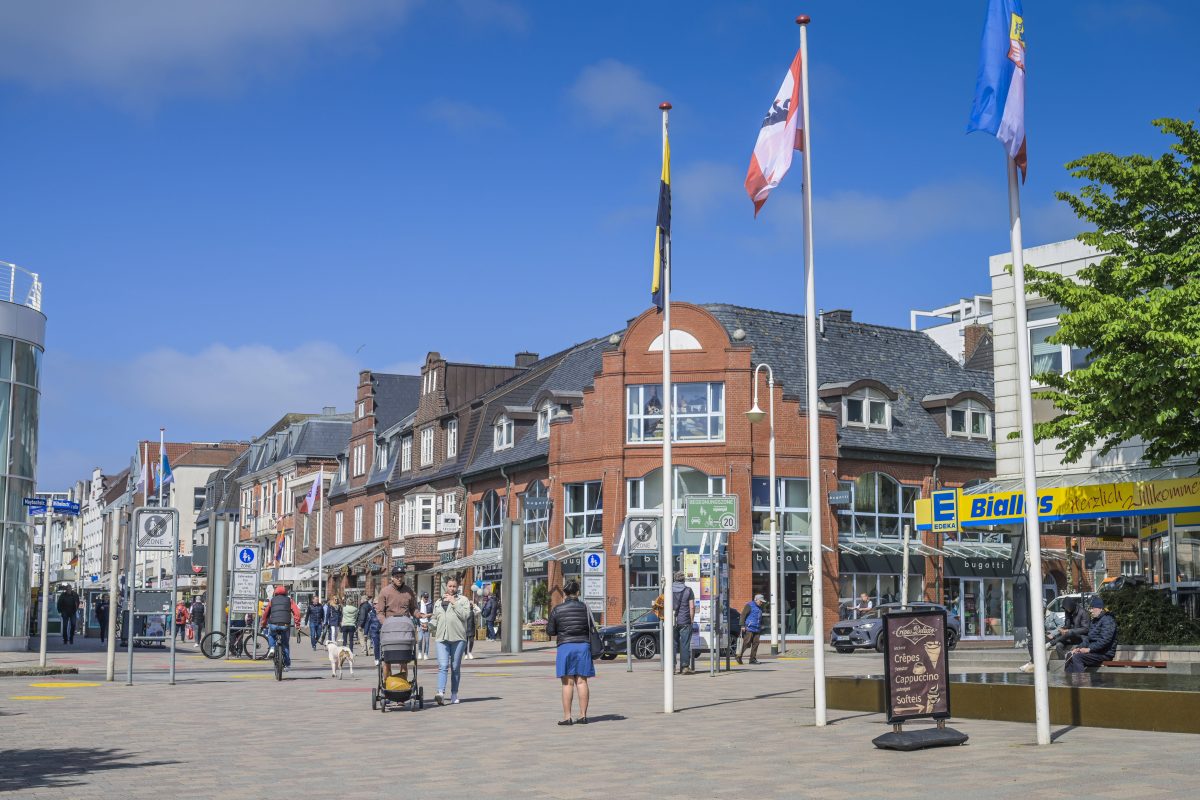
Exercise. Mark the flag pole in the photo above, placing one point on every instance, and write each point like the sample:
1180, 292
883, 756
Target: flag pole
1033, 539
320, 537
667, 534
815, 490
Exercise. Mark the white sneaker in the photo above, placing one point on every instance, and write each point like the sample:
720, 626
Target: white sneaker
271, 653
470, 656
377, 662
1027, 667
439, 698
453, 699
197, 645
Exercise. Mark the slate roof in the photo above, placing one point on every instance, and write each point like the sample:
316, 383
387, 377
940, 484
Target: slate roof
573, 372
982, 359
908, 362
396, 397
316, 437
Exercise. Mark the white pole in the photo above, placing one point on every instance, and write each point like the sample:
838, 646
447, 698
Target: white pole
321, 537
775, 605
45, 587
110, 662
1033, 539
815, 494
665, 557
904, 569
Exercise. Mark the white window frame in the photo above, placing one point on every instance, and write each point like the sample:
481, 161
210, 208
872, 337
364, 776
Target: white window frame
536, 520
971, 409
307, 533
490, 513
362, 409
339, 527
378, 519
503, 433
426, 514
867, 397
642, 427
1044, 320
358, 523
450, 503
854, 523
785, 514
546, 412
452, 439
406, 454
589, 519
427, 447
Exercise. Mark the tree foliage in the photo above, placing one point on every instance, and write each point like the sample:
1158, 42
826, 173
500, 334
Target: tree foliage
1137, 310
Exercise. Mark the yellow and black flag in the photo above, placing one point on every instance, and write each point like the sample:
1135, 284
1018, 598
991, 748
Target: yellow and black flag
662, 232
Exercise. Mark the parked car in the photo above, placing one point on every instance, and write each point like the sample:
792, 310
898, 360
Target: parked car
645, 633
849, 635
1055, 616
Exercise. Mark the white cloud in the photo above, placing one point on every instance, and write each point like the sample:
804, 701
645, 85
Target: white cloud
142, 50
463, 117
867, 218
615, 94
701, 187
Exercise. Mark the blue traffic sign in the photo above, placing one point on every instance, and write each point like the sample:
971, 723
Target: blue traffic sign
69, 507
246, 555
35, 501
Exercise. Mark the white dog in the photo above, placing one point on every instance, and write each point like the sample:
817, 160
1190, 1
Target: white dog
339, 657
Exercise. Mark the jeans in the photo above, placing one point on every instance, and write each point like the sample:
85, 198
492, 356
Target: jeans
278, 635
103, 628
449, 656
314, 633
373, 634
423, 642
68, 629
683, 642
348, 636
197, 632
181, 631
1081, 662
491, 628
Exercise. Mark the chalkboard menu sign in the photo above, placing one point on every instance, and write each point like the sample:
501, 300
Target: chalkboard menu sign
916, 672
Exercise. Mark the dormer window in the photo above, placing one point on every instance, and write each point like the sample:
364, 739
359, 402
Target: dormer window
867, 408
546, 412
969, 419
502, 433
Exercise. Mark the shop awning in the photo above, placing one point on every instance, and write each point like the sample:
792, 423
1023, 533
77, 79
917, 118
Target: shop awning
791, 544
571, 549
482, 558
1090, 478
341, 557
879, 547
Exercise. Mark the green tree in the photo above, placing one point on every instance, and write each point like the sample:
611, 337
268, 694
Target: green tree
1137, 310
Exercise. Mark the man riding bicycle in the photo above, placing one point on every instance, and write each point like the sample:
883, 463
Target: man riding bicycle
276, 616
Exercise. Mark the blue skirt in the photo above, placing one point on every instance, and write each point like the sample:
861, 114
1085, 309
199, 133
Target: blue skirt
575, 659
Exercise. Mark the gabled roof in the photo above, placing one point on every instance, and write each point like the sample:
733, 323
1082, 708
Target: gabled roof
908, 362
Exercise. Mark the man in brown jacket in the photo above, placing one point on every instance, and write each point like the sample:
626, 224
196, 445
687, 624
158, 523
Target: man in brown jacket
396, 599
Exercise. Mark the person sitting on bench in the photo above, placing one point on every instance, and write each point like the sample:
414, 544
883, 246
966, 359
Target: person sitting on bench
1099, 645
1075, 626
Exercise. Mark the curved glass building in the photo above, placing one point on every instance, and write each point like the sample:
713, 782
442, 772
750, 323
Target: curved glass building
22, 342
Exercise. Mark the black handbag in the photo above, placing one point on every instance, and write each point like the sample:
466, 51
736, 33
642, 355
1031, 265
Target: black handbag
595, 644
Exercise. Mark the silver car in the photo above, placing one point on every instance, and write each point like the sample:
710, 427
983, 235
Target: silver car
851, 634
1055, 616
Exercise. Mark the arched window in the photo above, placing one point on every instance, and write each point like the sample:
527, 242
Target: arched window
489, 517
535, 509
867, 408
879, 507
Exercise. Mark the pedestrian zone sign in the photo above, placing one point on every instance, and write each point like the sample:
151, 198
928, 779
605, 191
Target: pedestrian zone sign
717, 513
593, 562
247, 558
156, 528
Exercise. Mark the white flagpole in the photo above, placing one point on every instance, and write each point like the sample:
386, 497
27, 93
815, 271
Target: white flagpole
321, 537
1033, 538
816, 494
667, 533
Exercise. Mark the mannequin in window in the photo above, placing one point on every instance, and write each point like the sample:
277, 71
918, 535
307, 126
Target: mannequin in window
652, 426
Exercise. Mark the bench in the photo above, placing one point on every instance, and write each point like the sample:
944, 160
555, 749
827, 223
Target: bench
1137, 664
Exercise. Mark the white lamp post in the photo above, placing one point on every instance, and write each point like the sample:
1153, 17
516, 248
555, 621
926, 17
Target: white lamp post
755, 414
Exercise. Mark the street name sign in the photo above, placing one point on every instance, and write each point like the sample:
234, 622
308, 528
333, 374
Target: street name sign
704, 513
68, 507
155, 528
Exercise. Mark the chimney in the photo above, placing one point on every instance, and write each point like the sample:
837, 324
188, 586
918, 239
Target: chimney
839, 315
329, 411
972, 335
526, 359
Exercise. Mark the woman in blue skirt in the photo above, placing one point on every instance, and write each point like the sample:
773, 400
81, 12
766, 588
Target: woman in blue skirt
571, 622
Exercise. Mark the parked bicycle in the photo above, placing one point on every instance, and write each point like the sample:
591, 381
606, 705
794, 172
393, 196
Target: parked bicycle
241, 643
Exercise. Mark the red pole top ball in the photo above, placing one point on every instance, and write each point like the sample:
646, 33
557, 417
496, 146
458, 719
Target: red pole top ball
664, 106
803, 19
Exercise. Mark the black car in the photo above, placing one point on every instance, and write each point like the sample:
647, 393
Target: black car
864, 632
645, 632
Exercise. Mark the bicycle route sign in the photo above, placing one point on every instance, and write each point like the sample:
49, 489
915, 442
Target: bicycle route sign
156, 528
718, 513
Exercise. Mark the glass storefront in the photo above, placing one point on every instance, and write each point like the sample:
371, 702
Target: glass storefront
979, 589
795, 593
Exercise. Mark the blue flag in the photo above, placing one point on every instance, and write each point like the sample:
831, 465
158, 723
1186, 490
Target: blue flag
999, 107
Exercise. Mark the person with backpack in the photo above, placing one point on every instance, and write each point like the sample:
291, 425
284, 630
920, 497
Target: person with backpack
181, 620
683, 604
370, 628
360, 621
752, 628
68, 607
197, 613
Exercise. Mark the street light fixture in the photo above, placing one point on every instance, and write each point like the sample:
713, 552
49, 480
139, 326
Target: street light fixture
755, 414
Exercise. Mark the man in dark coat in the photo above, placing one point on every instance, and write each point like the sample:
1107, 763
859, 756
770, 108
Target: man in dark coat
68, 606
1099, 645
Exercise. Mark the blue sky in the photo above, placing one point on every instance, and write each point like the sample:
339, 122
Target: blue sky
234, 206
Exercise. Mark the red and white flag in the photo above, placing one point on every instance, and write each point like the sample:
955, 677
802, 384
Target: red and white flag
779, 135
310, 500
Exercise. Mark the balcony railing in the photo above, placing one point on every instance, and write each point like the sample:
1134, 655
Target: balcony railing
20, 286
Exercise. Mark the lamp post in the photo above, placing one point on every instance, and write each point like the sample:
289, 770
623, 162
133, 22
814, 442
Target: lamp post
755, 414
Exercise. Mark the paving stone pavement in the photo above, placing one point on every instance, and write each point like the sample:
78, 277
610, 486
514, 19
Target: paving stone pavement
232, 730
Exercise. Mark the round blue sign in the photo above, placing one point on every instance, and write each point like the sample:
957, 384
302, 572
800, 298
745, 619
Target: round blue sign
593, 560
246, 555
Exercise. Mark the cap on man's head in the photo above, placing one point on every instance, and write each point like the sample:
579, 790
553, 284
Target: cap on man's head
397, 572
758, 598
1096, 602
678, 576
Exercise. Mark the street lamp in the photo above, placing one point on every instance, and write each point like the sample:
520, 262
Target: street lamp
755, 414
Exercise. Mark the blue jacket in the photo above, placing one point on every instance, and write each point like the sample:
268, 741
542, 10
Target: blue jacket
1102, 636
752, 620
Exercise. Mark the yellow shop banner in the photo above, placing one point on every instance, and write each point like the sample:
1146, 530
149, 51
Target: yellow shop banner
1134, 499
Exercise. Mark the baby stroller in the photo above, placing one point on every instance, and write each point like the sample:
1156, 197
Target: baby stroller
398, 649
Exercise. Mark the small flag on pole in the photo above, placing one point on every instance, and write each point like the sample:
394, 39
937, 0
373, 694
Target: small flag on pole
309, 503
146, 479
780, 134
166, 475
280, 540
999, 107
662, 230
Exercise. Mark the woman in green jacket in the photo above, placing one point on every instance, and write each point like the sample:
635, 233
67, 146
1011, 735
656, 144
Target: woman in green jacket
349, 622
451, 617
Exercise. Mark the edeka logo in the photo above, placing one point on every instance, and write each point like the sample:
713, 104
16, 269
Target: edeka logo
915, 631
1004, 506
945, 510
